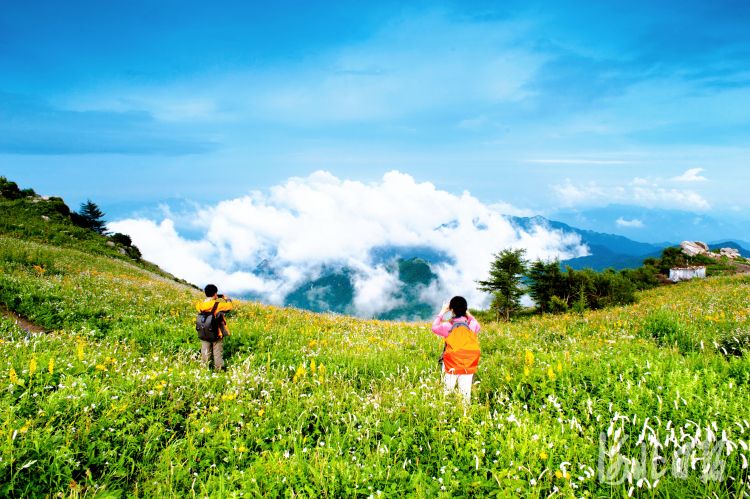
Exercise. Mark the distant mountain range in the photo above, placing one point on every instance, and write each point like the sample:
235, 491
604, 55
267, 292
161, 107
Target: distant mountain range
655, 225
616, 251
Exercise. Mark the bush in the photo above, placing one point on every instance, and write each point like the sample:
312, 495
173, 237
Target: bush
557, 305
120, 238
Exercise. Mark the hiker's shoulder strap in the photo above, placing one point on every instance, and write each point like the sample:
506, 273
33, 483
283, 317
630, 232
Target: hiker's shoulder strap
458, 324
213, 310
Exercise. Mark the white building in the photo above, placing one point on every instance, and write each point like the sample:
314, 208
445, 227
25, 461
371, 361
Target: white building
686, 273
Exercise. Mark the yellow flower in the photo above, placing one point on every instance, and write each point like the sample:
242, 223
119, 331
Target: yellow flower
12, 376
526, 371
101, 367
559, 366
51, 366
312, 365
32, 367
80, 351
551, 373
508, 378
320, 378
261, 412
294, 380
24, 429
529, 358
242, 448
558, 474
543, 455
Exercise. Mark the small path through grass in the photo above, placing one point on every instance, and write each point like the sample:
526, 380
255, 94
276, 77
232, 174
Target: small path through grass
22, 323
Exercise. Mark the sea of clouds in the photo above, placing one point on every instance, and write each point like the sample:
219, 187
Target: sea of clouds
309, 226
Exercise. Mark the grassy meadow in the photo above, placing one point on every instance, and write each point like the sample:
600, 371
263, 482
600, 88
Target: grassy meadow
113, 401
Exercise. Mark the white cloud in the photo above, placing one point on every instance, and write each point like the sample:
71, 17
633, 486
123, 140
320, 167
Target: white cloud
691, 176
651, 196
306, 223
629, 223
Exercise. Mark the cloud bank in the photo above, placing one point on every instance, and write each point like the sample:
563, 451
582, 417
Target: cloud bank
308, 226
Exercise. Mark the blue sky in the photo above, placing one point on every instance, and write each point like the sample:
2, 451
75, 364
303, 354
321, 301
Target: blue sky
547, 106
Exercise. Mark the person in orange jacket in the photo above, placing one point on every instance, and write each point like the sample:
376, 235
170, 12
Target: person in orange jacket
217, 347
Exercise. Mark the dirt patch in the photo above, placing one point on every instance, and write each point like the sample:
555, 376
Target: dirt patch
22, 323
743, 269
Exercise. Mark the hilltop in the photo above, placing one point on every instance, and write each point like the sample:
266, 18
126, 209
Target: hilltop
47, 219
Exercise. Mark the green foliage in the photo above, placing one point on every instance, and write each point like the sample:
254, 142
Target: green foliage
554, 291
671, 257
546, 280
10, 190
120, 238
505, 281
90, 217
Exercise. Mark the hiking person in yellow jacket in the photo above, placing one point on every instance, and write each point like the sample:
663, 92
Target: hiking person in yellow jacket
461, 354
216, 308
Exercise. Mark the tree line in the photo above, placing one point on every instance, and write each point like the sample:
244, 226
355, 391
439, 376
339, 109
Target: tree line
555, 288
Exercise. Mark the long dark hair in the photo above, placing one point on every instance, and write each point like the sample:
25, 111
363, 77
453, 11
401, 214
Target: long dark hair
458, 305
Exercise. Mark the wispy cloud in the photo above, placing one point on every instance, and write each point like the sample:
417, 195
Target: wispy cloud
629, 223
691, 176
592, 194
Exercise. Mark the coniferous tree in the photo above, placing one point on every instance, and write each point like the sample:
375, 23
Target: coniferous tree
505, 281
93, 217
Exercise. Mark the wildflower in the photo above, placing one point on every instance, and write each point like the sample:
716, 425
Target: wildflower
558, 474
551, 374
101, 367
312, 365
32, 367
559, 366
80, 351
529, 360
51, 366
12, 376
242, 448
261, 412
526, 371
24, 429
543, 455
508, 378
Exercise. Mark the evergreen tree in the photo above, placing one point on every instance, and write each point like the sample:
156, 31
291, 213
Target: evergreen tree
505, 281
93, 217
545, 281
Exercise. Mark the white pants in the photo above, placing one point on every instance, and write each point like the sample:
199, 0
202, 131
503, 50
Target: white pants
464, 384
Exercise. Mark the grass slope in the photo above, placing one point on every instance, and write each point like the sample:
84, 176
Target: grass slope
48, 221
114, 403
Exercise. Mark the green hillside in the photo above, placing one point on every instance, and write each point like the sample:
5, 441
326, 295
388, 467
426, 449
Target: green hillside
51, 221
112, 401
